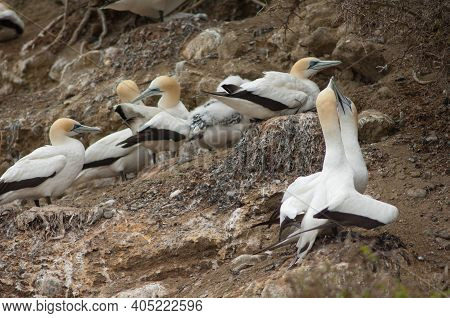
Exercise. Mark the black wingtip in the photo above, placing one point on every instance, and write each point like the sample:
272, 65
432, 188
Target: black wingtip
230, 88
214, 93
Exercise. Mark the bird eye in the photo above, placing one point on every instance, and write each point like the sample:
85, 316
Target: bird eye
75, 126
312, 64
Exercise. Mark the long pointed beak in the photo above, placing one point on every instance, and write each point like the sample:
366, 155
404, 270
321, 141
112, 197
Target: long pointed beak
118, 109
82, 129
147, 93
342, 100
321, 65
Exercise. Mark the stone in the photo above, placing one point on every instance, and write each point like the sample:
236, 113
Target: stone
175, 194
374, 125
203, 45
109, 213
49, 286
244, 261
152, 290
365, 58
245, 69
321, 13
57, 68
417, 193
229, 46
415, 174
83, 64
322, 41
384, 93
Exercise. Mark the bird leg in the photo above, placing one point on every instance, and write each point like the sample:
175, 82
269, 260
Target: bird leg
123, 175
161, 16
154, 158
49, 201
36, 202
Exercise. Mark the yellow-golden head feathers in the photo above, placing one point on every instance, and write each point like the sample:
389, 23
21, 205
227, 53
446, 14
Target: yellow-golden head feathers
127, 90
166, 86
66, 127
308, 66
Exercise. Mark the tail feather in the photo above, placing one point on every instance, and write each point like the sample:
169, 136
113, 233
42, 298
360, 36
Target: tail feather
291, 238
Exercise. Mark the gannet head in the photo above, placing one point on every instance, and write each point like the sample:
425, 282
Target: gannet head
162, 85
342, 101
66, 127
308, 66
127, 90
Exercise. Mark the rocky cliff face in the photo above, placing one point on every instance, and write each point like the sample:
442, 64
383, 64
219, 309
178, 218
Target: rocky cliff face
184, 228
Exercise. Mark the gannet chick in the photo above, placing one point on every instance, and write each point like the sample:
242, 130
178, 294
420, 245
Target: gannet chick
334, 199
147, 8
170, 91
47, 171
11, 25
277, 93
216, 125
104, 159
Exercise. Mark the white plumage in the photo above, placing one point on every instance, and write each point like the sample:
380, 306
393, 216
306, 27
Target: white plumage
330, 196
11, 25
104, 158
292, 209
276, 93
163, 132
217, 124
47, 171
148, 8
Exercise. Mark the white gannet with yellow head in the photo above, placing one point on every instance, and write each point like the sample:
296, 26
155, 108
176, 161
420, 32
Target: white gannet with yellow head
169, 129
277, 93
170, 91
104, 159
292, 210
331, 198
47, 171
147, 8
11, 25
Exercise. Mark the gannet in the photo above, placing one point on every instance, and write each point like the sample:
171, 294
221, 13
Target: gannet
292, 210
49, 170
104, 159
163, 132
277, 93
168, 129
170, 91
216, 125
147, 8
11, 25
332, 197
213, 124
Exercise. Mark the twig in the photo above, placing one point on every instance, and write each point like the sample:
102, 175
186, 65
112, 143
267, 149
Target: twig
104, 29
259, 3
421, 82
77, 31
41, 34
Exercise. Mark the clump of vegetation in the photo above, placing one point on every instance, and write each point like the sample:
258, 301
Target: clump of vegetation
420, 26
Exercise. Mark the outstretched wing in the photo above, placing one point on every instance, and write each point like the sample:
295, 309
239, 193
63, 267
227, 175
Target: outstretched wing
32, 170
360, 210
